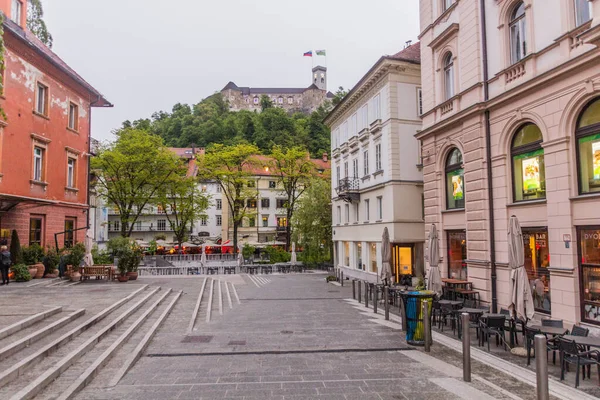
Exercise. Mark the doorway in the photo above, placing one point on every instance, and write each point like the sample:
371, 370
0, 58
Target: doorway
403, 262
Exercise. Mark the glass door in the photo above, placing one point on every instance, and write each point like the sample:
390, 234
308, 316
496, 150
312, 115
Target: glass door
403, 262
457, 254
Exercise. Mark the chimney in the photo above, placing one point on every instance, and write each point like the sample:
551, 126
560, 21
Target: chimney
193, 149
325, 157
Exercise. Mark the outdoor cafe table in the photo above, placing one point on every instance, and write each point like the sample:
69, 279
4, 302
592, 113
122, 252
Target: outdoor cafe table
544, 330
584, 340
453, 303
453, 284
470, 311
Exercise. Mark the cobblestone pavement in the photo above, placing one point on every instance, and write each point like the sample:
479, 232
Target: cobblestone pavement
295, 337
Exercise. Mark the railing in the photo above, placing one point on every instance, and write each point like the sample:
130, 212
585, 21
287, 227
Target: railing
347, 185
172, 258
446, 108
515, 72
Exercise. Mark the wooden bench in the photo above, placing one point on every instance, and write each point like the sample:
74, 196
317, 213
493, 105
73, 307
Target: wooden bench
97, 271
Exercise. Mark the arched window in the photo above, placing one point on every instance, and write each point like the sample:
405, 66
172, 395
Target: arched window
455, 180
448, 76
529, 176
588, 148
518, 36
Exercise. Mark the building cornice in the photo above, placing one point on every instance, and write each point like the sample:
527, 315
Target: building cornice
445, 35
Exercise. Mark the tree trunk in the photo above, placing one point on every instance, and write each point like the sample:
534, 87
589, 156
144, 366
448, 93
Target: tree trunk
288, 230
235, 235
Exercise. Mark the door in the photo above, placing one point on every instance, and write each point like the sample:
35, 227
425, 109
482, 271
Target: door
402, 260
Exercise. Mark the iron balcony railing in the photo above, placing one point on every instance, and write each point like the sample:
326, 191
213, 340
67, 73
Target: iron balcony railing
348, 185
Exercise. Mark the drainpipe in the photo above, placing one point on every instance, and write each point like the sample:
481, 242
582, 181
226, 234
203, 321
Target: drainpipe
89, 162
488, 154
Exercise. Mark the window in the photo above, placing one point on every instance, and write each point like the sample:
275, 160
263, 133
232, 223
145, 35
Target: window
367, 210
356, 212
353, 125
346, 169
281, 222
138, 225
583, 11
339, 215
419, 101
446, 4
251, 203
377, 106
290, 100
355, 167
518, 37
272, 184
537, 262
38, 164
528, 164
366, 163
265, 203
251, 222
337, 174
588, 148
219, 204
256, 100
116, 225
347, 254
449, 76
71, 172
42, 99
347, 209
378, 157
373, 256
281, 203
218, 188
69, 234
73, 117
589, 255
457, 254
35, 230
160, 209
379, 208
219, 220
359, 256
265, 221
203, 221
161, 224
455, 180
251, 184
280, 100
16, 11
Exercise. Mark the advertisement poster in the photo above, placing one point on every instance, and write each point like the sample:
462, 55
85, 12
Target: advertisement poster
596, 159
457, 184
531, 174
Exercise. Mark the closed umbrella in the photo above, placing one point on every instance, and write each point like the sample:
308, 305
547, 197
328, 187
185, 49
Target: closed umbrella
88, 260
293, 260
520, 297
203, 257
386, 255
434, 279
240, 258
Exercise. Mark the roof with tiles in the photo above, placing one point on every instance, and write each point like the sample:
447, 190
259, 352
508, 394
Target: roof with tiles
410, 54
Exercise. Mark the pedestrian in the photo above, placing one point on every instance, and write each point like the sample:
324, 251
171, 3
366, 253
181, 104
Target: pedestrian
4, 263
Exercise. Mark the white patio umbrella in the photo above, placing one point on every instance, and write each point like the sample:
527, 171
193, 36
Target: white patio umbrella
88, 260
240, 258
386, 255
434, 279
294, 259
203, 257
520, 297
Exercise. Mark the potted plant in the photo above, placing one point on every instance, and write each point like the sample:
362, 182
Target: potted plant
21, 273
122, 265
32, 257
50, 262
76, 257
134, 262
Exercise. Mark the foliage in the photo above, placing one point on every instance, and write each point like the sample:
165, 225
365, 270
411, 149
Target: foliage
16, 252
265, 102
76, 256
230, 167
294, 169
248, 251
420, 284
183, 202
36, 24
130, 172
160, 236
33, 254
51, 260
127, 252
331, 278
211, 121
21, 272
153, 247
312, 222
339, 96
277, 255
101, 257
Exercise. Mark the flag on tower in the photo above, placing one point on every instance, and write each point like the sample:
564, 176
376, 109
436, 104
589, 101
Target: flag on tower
308, 54
321, 53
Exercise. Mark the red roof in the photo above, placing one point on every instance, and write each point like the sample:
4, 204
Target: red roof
410, 54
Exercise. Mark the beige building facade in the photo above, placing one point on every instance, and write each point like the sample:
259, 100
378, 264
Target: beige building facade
511, 126
376, 176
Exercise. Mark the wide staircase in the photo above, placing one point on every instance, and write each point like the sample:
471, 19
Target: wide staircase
56, 353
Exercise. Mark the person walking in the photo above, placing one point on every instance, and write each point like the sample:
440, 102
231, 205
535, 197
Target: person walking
4, 263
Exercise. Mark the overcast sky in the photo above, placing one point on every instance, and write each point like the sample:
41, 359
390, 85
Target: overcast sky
147, 55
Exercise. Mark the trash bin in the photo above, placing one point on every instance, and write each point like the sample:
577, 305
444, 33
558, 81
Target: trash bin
415, 333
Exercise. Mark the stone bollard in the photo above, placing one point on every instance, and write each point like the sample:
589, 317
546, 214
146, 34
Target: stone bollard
342, 278
353, 289
426, 325
366, 294
541, 367
359, 298
386, 297
375, 299
466, 347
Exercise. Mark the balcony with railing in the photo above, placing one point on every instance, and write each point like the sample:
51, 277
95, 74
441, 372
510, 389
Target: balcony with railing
348, 189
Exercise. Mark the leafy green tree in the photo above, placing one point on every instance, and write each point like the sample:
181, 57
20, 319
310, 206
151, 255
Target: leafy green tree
16, 252
338, 96
312, 221
183, 203
231, 167
294, 170
131, 171
265, 102
36, 24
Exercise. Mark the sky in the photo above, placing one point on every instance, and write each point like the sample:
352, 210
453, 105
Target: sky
148, 55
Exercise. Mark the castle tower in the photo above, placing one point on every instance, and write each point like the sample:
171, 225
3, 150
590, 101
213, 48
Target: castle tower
319, 77
16, 10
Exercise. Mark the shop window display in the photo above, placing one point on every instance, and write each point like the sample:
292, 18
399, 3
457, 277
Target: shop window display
537, 261
457, 254
589, 252
588, 148
529, 175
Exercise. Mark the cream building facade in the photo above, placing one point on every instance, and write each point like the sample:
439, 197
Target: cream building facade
376, 173
511, 126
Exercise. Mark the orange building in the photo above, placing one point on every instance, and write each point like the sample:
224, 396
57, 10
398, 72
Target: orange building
44, 139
